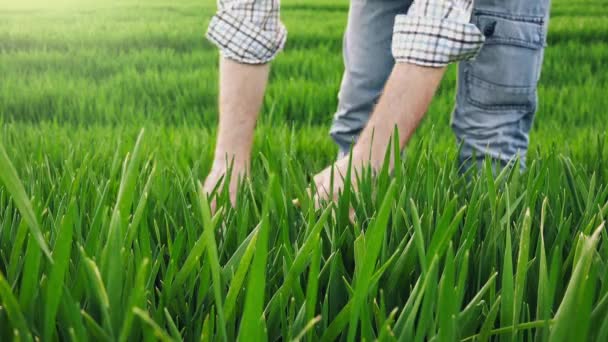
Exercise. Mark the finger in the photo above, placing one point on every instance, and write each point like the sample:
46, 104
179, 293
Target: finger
297, 202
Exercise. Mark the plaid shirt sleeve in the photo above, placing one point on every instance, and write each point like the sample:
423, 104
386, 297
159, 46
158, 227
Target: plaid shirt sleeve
248, 31
436, 33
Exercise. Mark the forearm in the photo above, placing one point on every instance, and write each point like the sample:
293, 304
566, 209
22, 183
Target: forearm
249, 35
242, 88
407, 96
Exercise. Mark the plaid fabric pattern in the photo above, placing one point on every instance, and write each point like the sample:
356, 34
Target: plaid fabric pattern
436, 33
433, 33
248, 31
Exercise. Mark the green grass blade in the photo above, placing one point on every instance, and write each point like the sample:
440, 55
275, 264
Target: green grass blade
126, 192
302, 258
239, 277
506, 310
11, 307
446, 320
522, 269
236, 257
98, 289
251, 320
309, 326
17, 251
159, 333
94, 329
55, 285
177, 336
139, 211
216, 269
373, 242
191, 261
10, 178
544, 304
30, 280
565, 321
419, 237
312, 288
488, 324
338, 324
137, 297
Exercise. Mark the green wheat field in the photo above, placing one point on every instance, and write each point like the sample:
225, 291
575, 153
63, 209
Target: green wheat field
108, 113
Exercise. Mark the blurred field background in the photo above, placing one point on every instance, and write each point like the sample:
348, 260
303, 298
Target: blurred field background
80, 79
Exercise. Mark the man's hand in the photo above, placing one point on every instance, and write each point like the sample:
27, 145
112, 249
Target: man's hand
215, 181
323, 181
323, 184
406, 98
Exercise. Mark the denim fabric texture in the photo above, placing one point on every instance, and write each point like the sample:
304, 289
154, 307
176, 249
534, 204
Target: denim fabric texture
497, 92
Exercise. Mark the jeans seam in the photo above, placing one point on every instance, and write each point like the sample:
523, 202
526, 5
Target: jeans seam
534, 19
495, 107
513, 41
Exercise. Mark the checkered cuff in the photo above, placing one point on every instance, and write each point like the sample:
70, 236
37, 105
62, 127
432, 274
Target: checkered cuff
436, 33
243, 41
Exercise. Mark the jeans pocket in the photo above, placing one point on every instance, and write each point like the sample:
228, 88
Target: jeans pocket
505, 73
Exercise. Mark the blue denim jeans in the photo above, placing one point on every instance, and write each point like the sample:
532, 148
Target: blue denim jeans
497, 92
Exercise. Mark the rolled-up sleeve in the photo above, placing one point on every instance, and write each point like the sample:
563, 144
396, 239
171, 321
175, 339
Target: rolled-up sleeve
436, 33
248, 31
